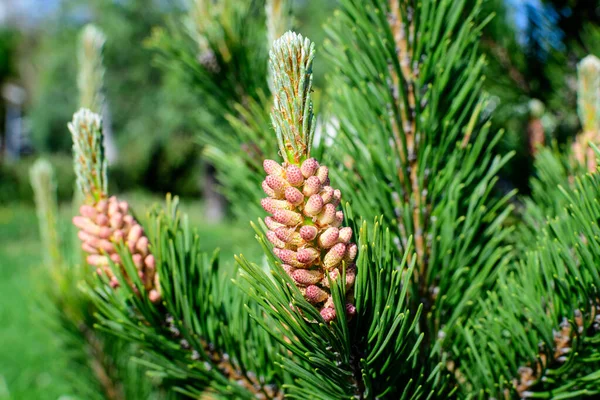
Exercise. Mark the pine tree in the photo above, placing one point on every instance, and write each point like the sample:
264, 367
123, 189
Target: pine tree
220, 50
98, 365
392, 266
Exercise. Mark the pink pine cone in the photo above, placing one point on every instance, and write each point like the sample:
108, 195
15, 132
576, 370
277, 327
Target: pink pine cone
305, 230
106, 224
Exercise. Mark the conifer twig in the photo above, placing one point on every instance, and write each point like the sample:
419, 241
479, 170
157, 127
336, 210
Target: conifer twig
305, 227
88, 155
402, 27
44, 189
291, 61
91, 70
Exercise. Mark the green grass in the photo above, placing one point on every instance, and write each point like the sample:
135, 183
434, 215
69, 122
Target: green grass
31, 366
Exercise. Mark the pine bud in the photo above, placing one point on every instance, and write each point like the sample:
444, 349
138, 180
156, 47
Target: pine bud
273, 168
309, 167
294, 175
315, 294
337, 197
276, 183
323, 174
286, 217
351, 252
288, 257
328, 314
308, 232
102, 227
271, 205
294, 196
314, 205
311, 186
275, 240
334, 256
327, 215
305, 230
339, 219
329, 238
350, 310
345, 234
268, 191
307, 277
272, 224
307, 255
327, 194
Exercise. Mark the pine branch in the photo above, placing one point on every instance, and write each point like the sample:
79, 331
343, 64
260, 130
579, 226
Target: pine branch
192, 341
44, 189
543, 342
67, 313
315, 293
556, 168
417, 149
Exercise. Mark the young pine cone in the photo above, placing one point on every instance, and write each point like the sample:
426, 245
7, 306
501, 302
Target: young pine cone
107, 224
306, 230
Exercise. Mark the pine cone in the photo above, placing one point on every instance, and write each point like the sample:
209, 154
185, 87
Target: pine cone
107, 224
306, 230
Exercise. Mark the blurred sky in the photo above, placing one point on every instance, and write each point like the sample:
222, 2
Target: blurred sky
28, 13
25, 12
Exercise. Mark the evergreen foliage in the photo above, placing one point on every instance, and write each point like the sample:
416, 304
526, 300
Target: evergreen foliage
447, 292
220, 50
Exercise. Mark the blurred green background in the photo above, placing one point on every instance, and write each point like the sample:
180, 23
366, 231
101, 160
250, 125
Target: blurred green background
532, 48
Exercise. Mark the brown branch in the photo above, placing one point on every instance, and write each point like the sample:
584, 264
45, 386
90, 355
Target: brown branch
226, 366
112, 390
531, 374
408, 126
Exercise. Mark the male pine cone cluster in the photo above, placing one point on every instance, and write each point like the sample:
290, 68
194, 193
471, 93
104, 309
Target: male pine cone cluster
306, 230
105, 225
